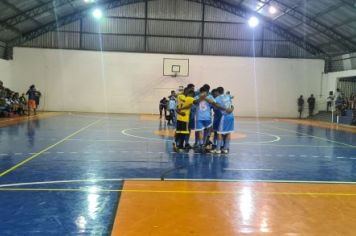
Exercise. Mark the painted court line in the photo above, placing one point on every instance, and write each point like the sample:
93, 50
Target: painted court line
174, 179
48, 148
311, 194
231, 169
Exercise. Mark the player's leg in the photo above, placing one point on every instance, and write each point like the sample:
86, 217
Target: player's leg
28, 108
227, 129
226, 147
218, 144
199, 129
177, 136
196, 141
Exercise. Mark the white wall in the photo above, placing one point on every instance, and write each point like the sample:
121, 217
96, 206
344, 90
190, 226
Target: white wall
133, 83
5, 72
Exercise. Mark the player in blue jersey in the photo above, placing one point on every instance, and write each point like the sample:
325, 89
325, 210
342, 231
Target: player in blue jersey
203, 115
226, 123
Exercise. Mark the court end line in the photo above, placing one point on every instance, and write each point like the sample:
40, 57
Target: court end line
47, 148
232, 169
321, 194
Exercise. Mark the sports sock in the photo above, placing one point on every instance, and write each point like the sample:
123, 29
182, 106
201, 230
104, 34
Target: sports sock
227, 143
218, 145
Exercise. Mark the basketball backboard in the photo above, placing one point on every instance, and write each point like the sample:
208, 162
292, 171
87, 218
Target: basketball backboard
175, 67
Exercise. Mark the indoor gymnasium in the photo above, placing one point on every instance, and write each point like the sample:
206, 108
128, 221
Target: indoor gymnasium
178, 117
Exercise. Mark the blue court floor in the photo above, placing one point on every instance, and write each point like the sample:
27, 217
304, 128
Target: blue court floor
62, 175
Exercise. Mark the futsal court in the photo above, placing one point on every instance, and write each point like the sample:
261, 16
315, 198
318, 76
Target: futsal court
177, 117
74, 173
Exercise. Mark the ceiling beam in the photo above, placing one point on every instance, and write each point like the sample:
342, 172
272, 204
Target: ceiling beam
268, 23
12, 6
350, 3
64, 20
4, 25
35, 11
318, 26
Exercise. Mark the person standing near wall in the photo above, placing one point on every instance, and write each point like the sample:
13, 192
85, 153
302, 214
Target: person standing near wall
300, 106
163, 107
31, 99
311, 105
37, 98
172, 106
330, 101
2, 89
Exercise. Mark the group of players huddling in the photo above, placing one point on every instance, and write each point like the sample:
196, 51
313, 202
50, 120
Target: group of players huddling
208, 114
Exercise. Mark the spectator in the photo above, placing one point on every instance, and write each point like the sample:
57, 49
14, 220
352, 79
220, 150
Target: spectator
2, 90
31, 99
340, 105
330, 101
300, 106
338, 92
2, 97
23, 102
9, 102
163, 107
37, 97
173, 94
353, 101
311, 105
172, 106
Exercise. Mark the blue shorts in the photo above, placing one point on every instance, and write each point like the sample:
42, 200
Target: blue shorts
202, 124
216, 123
226, 125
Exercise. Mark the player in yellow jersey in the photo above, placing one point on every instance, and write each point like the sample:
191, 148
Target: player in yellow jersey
185, 101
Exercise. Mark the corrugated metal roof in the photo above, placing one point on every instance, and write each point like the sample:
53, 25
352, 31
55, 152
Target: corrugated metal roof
56, 40
329, 25
174, 9
114, 26
168, 45
174, 28
112, 42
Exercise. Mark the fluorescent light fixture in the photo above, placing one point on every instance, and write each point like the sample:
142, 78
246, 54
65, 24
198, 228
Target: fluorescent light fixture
253, 21
97, 13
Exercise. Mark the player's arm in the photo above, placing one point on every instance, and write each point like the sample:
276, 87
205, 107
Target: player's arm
194, 102
216, 105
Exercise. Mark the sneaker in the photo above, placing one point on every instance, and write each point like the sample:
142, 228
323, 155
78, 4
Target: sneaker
225, 151
188, 147
208, 147
212, 151
175, 148
216, 152
199, 149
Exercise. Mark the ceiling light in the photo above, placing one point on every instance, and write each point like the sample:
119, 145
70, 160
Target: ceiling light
253, 21
272, 10
97, 13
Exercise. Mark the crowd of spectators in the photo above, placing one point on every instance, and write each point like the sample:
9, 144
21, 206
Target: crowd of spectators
11, 103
